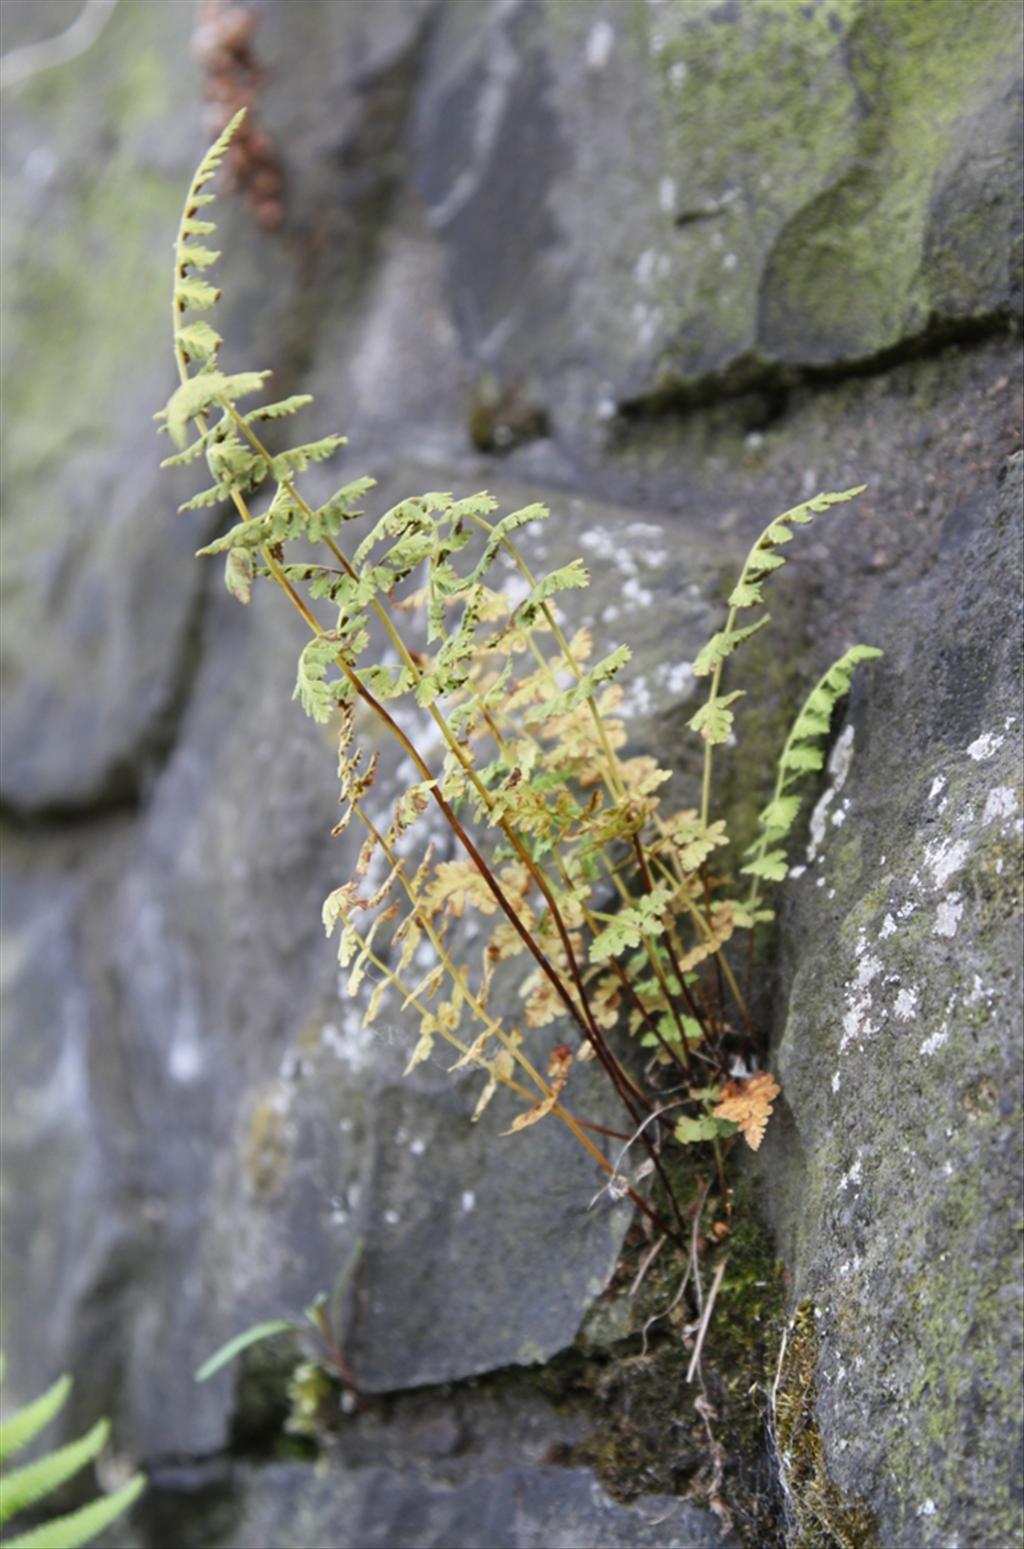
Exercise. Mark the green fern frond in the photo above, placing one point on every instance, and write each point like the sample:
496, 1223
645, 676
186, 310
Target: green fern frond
199, 341
196, 394
722, 645
342, 507
802, 754
17, 1431
24, 1487
81, 1527
240, 1342
278, 410
762, 557
501, 533
214, 496
714, 720
582, 690
215, 155
568, 578
195, 295
298, 458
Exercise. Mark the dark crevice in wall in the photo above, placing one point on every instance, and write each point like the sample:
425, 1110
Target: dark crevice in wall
765, 387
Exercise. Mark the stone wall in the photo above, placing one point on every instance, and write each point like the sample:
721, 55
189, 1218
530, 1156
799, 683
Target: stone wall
669, 267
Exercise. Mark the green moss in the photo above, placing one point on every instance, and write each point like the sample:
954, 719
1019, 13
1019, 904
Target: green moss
818, 1516
828, 251
649, 1434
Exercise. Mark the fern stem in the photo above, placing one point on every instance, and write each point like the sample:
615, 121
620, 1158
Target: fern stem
616, 790
557, 1109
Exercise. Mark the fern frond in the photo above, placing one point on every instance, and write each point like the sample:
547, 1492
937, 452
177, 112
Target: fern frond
714, 720
802, 754
240, 1342
17, 1431
298, 458
195, 295
763, 557
199, 341
582, 690
500, 533
201, 257
276, 411
568, 578
214, 496
196, 394
722, 645
207, 168
23, 1487
81, 1527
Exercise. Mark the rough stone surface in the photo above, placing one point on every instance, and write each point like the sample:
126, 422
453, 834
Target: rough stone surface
727, 255
675, 193
900, 1055
517, 1508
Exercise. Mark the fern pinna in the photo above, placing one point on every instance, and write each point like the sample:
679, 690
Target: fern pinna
24, 1488
562, 841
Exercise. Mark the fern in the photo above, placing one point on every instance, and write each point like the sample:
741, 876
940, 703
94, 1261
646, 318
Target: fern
802, 754
511, 732
25, 1487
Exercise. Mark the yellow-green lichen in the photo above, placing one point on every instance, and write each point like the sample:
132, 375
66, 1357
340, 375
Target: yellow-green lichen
265, 1149
817, 240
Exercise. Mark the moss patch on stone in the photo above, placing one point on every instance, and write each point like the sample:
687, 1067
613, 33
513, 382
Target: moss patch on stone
817, 1515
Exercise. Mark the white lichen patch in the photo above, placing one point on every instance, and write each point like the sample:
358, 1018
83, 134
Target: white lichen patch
637, 697
857, 1024
978, 993
636, 594
905, 1006
677, 680
944, 858
839, 763
933, 1044
1001, 803
185, 1061
854, 1177
938, 786
888, 928
948, 916
352, 1043
600, 44
468, 1200
984, 746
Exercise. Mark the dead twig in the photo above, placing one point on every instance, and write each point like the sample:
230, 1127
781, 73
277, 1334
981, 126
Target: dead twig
705, 1320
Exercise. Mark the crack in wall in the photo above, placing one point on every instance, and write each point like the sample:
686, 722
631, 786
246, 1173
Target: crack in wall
752, 377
